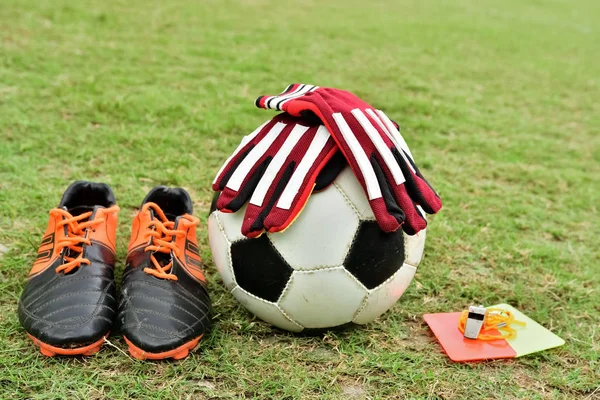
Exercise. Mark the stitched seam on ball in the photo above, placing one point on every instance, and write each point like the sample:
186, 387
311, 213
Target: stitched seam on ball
278, 253
230, 263
393, 276
358, 214
288, 316
405, 248
271, 303
352, 242
362, 307
361, 286
319, 268
341, 267
357, 281
308, 271
406, 253
370, 291
286, 288
347, 199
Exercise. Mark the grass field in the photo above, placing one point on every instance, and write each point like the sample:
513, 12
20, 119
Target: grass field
500, 102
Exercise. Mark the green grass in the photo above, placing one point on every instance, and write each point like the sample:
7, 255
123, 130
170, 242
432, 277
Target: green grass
498, 100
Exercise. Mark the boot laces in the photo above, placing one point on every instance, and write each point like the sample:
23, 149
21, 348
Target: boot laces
76, 236
163, 235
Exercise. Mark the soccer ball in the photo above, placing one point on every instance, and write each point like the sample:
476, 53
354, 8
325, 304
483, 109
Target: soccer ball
332, 266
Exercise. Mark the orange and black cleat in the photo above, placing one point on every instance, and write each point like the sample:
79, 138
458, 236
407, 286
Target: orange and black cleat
68, 305
164, 309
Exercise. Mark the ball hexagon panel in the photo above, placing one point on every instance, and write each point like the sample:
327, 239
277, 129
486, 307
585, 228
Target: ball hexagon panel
313, 301
347, 183
413, 248
383, 297
220, 247
259, 268
322, 234
375, 255
267, 311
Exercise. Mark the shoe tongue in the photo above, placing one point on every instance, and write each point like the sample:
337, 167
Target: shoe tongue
171, 217
162, 258
75, 211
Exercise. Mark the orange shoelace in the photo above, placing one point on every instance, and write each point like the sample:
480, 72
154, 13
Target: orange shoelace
75, 238
162, 232
495, 319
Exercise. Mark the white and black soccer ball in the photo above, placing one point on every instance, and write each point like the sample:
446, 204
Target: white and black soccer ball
332, 266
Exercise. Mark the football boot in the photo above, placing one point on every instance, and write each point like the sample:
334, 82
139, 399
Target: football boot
164, 307
68, 305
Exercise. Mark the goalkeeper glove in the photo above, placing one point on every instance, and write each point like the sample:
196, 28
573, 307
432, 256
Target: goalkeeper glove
274, 169
398, 193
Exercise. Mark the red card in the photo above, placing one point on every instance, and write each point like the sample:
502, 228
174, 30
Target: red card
459, 348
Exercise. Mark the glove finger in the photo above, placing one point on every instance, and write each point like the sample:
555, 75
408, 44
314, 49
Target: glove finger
325, 169
331, 171
232, 200
416, 186
398, 205
228, 169
391, 129
308, 158
261, 101
278, 173
302, 154
415, 218
387, 211
291, 92
398, 202
246, 175
370, 175
254, 219
234, 160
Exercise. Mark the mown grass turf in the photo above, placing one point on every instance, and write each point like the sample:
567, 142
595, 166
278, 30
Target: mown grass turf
498, 100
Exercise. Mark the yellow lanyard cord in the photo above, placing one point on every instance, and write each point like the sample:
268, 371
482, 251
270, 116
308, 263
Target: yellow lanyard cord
495, 318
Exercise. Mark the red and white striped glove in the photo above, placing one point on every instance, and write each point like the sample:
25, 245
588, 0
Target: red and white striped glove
274, 169
374, 148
